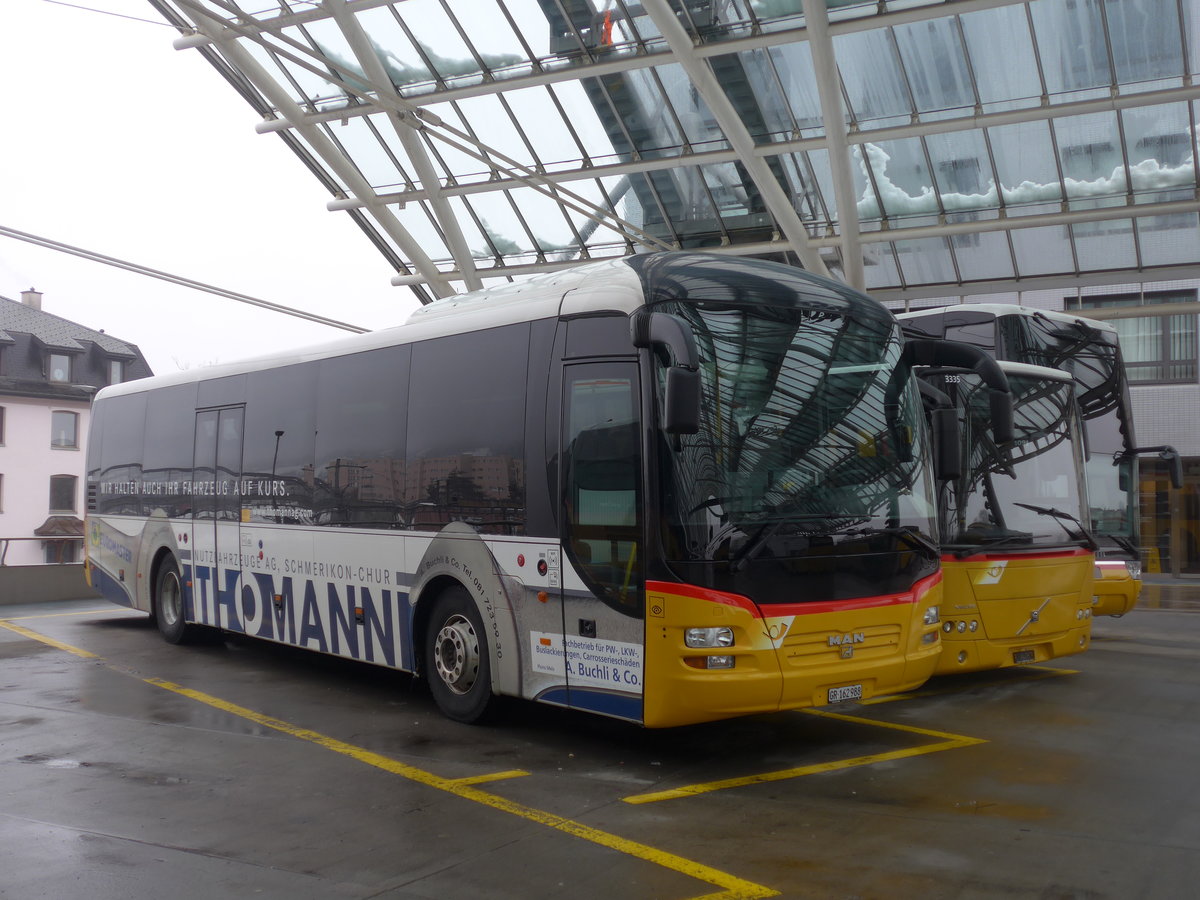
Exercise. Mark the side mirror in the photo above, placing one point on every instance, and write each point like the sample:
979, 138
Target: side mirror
682, 413
1000, 405
1170, 456
947, 452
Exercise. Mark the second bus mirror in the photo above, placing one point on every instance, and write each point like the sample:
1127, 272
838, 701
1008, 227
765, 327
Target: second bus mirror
947, 452
1001, 409
682, 413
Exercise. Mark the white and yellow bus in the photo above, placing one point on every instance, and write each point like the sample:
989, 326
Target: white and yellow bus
669, 489
1018, 556
1091, 352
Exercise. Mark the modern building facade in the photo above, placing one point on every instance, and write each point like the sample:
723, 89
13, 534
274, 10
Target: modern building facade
49, 370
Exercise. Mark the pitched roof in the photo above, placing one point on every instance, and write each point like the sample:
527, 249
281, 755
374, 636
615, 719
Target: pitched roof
55, 332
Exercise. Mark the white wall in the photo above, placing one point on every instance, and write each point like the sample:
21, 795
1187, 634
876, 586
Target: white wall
27, 461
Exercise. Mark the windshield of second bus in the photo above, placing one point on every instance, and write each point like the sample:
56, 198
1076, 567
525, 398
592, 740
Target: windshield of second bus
1027, 493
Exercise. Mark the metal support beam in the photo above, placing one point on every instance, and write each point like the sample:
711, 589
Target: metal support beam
833, 115
226, 40
413, 146
778, 202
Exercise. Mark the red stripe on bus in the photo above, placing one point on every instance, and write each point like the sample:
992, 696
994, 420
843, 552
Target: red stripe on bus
1015, 554
793, 609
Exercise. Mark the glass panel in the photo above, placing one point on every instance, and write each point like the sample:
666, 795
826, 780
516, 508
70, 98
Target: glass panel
771, 104
872, 77
879, 265
925, 261
1166, 240
59, 369
1070, 38
363, 146
62, 493
63, 429
1005, 71
901, 176
602, 475
1025, 163
962, 171
1104, 245
1089, 149
1145, 39
1042, 251
938, 72
493, 38
794, 64
1161, 151
982, 255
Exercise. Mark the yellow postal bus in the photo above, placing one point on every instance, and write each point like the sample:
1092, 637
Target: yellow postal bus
1018, 558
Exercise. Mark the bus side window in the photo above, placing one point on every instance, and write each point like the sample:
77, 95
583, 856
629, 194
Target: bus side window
602, 483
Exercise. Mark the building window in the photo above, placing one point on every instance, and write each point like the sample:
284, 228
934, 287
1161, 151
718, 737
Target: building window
62, 493
60, 368
116, 371
1, 426
1159, 349
64, 429
59, 552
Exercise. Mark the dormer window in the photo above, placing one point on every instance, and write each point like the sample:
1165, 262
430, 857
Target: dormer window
59, 368
116, 371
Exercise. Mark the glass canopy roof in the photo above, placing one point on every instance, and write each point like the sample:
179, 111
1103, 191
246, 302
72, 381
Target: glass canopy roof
910, 148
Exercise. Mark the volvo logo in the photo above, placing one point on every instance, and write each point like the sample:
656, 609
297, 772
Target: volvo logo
1035, 615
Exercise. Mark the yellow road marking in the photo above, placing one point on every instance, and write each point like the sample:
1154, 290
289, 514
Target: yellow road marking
948, 742
734, 888
78, 612
494, 776
25, 632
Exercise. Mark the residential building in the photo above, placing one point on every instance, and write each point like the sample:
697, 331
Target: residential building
50, 368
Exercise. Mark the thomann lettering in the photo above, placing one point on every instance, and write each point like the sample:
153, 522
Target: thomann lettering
344, 619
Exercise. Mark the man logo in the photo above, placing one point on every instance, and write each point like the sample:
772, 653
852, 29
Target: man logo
847, 640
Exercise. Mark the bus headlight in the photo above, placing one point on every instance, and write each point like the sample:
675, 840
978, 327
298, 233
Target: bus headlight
932, 615
708, 637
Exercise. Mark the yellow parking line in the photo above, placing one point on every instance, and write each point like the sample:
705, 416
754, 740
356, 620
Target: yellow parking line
733, 888
25, 632
949, 742
78, 612
494, 776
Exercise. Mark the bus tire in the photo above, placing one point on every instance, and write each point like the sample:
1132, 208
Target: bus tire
168, 604
457, 664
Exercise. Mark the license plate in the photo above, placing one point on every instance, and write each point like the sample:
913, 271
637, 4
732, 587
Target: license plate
1022, 656
849, 692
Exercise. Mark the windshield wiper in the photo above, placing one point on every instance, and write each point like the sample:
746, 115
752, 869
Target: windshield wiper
755, 545
915, 539
1015, 539
1058, 515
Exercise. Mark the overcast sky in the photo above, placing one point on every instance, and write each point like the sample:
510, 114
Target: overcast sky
115, 142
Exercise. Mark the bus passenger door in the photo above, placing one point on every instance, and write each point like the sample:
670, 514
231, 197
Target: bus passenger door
216, 517
603, 597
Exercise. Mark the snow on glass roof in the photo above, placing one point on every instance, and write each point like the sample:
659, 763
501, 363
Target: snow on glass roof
910, 148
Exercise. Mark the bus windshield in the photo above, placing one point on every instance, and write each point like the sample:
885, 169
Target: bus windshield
799, 461
1093, 357
1023, 494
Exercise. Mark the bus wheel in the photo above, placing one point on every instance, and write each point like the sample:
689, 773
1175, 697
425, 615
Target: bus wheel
168, 604
456, 658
